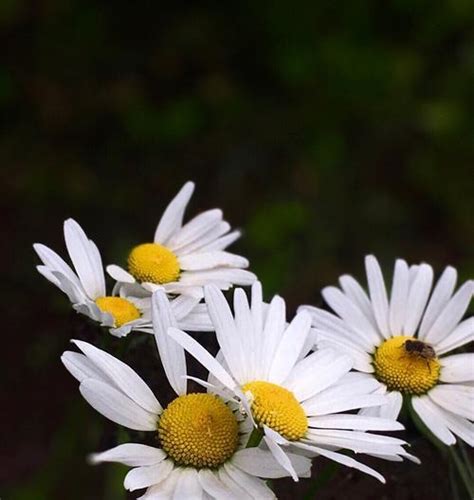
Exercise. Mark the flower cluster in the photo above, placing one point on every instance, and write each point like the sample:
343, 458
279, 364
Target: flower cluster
278, 394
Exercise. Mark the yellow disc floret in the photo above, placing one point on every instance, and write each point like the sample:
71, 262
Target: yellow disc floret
153, 263
122, 310
198, 430
277, 408
403, 368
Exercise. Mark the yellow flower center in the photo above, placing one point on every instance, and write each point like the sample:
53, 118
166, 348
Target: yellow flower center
409, 367
198, 430
277, 408
153, 263
122, 310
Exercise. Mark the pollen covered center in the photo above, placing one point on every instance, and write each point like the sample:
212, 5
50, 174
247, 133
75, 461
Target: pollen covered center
277, 408
122, 310
198, 430
407, 365
153, 263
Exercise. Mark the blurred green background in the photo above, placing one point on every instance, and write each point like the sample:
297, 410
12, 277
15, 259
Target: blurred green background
324, 130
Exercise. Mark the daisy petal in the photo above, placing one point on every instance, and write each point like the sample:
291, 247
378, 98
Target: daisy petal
194, 229
134, 455
462, 334
398, 297
417, 298
451, 314
86, 259
354, 422
279, 455
289, 348
123, 376
458, 399
457, 368
142, 477
432, 417
357, 294
378, 294
459, 426
173, 215
211, 260
255, 487
206, 359
211, 483
222, 242
171, 353
260, 463
441, 295
344, 460
119, 274
81, 368
116, 406
188, 485
272, 333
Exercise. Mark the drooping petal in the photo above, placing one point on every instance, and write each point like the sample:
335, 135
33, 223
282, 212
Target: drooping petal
132, 454
433, 418
142, 477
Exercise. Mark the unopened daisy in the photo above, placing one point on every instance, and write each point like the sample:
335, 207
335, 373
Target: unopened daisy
401, 342
200, 436
127, 309
184, 258
295, 404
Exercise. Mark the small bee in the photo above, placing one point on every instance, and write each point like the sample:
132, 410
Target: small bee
421, 350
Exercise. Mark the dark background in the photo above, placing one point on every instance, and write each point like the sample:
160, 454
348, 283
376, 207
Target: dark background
324, 131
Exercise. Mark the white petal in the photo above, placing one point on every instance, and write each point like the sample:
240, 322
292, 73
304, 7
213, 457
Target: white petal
183, 305
357, 294
457, 368
289, 348
451, 314
123, 376
351, 315
116, 406
354, 422
211, 260
278, 454
163, 490
344, 460
440, 297
399, 297
194, 229
222, 242
226, 332
317, 372
261, 463
272, 333
245, 331
119, 274
462, 334
391, 409
200, 244
188, 485
219, 275
142, 477
134, 455
255, 487
80, 367
330, 402
432, 417
212, 484
171, 353
378, 294
417, 298
459, 426
86, 259
237, 488
173, 215
458, 399
198, 352
330, 323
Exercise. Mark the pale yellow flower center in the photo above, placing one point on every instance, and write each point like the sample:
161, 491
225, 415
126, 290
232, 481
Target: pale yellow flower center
406, 370
122, 310
153, 263
277, 408
198, 430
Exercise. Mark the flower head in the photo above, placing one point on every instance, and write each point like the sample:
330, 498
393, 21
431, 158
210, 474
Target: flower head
400, 342
183, 258
296, 402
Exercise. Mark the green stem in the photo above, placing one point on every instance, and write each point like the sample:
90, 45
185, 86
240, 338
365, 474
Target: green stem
462, 471
255, 437
321, 480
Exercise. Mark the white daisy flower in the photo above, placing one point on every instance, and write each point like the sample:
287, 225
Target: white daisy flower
184, 258
400, 343
200, 452
127, 308
295, 404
